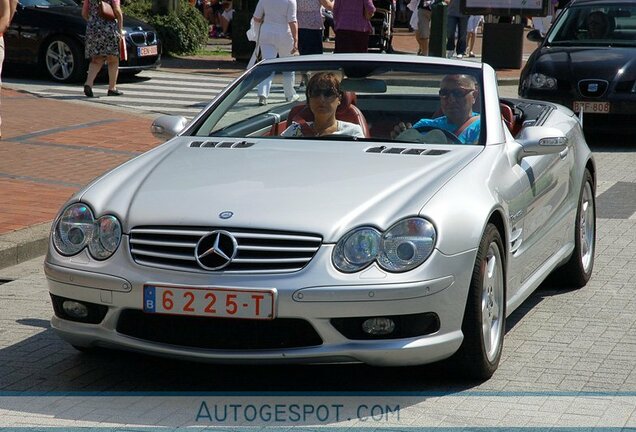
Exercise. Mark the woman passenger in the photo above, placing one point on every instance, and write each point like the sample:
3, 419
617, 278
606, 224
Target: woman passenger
323, 97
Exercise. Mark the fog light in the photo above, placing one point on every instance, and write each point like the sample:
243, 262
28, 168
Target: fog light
378, 326
75, 309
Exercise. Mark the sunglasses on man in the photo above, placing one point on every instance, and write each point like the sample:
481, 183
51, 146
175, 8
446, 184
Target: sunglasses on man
456, 93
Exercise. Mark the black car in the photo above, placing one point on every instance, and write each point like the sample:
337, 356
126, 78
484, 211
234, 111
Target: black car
587, 62
50, 34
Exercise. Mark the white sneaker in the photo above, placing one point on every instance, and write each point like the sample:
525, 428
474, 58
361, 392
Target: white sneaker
262, 100
460, 56
294, 98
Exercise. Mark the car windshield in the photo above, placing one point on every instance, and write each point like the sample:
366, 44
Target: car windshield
373, 96
47, 3
595, 26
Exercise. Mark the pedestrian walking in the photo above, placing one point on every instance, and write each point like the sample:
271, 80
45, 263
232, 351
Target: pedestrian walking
327, 16
457, 23
278, 37
102, 43
423, 30
311, 25
352, 25
474, 21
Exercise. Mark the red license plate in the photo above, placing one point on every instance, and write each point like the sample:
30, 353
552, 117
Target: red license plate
209, 301
591, 107
147, 50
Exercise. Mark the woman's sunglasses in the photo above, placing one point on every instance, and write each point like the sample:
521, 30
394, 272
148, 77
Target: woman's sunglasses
327, 93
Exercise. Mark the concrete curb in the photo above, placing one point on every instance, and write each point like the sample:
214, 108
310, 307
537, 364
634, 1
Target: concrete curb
23, 245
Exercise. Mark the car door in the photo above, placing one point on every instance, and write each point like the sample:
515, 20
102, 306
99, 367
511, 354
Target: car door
22, 39
545, 182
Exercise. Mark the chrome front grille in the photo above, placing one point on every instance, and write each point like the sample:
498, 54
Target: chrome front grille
143, 38
258, 251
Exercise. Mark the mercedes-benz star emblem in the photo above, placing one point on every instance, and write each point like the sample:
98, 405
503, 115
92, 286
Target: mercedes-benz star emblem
216, 250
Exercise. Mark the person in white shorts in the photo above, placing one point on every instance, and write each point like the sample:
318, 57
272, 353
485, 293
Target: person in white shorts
473, 24
278, 36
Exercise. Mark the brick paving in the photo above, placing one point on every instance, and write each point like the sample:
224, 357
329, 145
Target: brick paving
51, 148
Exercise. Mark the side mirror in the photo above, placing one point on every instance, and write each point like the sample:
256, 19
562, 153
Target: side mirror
167, 126
540, 140
535, 36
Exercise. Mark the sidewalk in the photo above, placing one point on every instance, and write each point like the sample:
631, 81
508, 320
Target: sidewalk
51, 148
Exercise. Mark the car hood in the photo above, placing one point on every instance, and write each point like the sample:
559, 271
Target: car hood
73, 13
586, 63
320, 187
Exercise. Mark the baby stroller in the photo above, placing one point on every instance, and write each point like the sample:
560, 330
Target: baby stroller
382, 29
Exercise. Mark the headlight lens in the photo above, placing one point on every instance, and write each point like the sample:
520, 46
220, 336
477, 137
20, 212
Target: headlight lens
357, 249
407, 244
541, 81
401, 248
73, 229
106, 237
77, 228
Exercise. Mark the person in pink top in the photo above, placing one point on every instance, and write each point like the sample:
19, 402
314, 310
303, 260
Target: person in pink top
102, 44
352, 25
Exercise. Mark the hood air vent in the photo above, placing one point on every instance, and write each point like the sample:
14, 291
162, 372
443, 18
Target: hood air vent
221, 144
408, 151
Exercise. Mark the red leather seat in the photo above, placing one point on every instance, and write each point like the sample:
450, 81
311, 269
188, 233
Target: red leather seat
509, 118
346, 111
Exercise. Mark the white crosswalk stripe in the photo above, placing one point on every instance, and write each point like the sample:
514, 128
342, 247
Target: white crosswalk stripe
151, 92
154, 92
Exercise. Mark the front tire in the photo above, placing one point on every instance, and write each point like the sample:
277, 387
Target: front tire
578, 270
63, 59
485, 313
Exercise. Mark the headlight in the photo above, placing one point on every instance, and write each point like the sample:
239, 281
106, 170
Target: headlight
401, 248
106, 237
542, 82
406, 245
357, 250
73, 229
77, 228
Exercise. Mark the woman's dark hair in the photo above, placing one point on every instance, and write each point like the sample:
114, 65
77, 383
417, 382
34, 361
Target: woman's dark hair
323, 80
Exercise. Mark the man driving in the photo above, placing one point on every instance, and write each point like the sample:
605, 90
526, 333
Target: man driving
458, 94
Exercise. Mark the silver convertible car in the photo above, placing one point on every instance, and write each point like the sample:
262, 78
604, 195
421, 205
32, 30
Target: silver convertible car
331, 209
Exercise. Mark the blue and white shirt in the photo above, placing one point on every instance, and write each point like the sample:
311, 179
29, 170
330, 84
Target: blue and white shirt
469, 135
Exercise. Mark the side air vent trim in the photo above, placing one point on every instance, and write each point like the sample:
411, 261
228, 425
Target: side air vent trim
407, 151
221, 144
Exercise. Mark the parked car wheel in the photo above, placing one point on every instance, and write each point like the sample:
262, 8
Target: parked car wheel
578, 270
485, 314
63, 59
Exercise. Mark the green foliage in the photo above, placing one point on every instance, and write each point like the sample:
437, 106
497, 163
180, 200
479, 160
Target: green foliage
140, 9
183, 31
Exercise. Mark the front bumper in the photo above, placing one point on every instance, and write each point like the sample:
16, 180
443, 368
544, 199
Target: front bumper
318, 296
